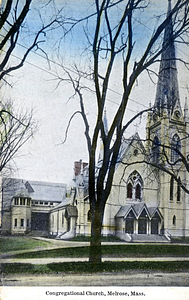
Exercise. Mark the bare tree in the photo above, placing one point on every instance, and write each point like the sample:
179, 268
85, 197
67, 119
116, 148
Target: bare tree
13, 17
15, 130
113, 39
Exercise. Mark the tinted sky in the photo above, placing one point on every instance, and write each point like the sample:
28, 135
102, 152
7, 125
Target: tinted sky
35, 86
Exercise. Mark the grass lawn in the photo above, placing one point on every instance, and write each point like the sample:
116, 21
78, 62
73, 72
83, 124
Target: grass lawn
116, 250
125, 250
14, 243
86, 267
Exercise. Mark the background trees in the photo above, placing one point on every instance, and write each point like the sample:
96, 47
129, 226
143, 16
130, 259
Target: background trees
15, 130
17, 36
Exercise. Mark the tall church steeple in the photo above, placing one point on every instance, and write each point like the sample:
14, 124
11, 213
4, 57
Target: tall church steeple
167, 94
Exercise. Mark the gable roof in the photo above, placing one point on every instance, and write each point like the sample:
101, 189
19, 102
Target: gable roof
123, 211
137, 209
128, 143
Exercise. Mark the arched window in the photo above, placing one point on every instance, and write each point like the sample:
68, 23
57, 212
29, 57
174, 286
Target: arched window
134, 186
178, 190
175, 148
129, 190
171, 188
174, 220
138, 191
156, 150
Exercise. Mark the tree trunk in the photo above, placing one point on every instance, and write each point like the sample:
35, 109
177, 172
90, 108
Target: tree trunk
95, 255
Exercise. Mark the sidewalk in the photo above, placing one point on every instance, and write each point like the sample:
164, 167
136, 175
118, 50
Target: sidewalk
50, 260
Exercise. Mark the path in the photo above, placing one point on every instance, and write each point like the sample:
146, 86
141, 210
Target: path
128, 278
49, 260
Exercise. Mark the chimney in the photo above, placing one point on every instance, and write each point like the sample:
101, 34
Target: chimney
77, 167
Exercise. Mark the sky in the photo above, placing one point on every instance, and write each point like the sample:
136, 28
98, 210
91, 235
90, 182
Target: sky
44, 157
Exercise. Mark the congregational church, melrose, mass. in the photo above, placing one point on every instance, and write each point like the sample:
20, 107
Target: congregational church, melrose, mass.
145, 203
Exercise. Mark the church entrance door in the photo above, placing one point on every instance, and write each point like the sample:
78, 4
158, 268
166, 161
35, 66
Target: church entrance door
142, 226
39, 221
129, 225
154, 225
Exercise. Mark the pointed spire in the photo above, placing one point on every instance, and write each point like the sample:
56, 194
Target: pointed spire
167, 87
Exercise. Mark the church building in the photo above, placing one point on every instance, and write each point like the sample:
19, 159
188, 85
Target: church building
146, 203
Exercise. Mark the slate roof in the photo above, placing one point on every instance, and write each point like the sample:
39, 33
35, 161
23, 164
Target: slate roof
123, 211
65, 202
37, 190
47, 191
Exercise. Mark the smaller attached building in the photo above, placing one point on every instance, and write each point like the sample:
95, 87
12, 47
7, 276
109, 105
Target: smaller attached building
63, 220
26, 205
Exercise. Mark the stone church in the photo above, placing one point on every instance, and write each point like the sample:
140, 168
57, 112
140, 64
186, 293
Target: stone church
145, 203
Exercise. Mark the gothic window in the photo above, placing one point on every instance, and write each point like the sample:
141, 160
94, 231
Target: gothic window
174, 220
129, 190
175, 147
156, 150
171, 188
15, 222
178, 191
134, 186
138, 191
